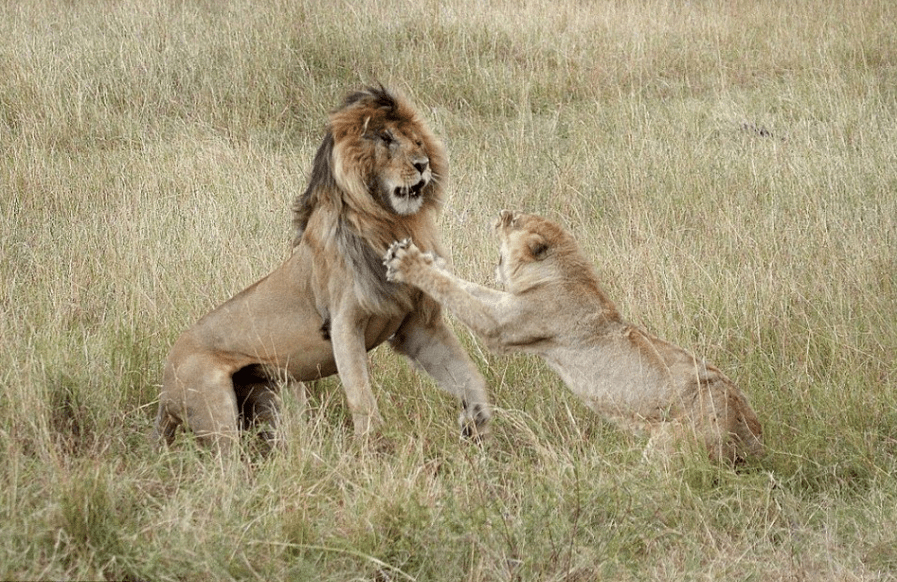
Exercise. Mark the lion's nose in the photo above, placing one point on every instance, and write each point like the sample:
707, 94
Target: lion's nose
421, 165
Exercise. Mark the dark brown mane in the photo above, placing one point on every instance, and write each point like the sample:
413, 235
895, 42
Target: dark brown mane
321, 178
378, 97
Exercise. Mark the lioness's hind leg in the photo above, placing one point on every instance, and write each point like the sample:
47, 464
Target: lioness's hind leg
434, 348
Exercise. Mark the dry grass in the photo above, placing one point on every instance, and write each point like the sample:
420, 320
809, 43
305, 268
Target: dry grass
729, 165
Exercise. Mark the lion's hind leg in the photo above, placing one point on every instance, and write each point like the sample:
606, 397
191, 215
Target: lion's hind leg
258, 402
197, 392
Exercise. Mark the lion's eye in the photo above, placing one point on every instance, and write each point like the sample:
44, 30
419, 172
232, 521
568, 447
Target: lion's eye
386, 138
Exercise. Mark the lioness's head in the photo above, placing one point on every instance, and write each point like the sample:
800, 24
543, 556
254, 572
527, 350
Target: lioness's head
535, 250
383, 149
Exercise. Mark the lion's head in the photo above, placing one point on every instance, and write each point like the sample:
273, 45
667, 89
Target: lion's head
379, 165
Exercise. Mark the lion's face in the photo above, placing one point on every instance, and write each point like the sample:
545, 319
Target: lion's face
404, 167
383, 149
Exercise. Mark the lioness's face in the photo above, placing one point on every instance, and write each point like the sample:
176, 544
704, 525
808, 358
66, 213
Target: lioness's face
403, 167
522, 244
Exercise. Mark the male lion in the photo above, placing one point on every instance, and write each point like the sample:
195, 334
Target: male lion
376, 178
555, 308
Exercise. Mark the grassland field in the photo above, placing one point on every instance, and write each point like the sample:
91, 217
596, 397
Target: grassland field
731, 167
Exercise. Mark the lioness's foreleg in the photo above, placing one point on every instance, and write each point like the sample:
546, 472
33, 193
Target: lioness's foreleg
405, 263
502, 319
433, 347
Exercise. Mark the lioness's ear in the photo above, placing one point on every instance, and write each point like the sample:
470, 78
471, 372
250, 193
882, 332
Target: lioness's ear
537, 246
504, 218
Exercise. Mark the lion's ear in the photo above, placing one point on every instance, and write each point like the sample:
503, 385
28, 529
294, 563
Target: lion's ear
537, 245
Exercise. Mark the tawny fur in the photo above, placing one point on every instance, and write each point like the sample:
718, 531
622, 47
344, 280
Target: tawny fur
376, 177
554, 307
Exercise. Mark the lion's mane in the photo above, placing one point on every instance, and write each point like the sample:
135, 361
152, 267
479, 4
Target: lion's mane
339, 208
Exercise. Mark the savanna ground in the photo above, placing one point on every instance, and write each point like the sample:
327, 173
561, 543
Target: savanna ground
730, 165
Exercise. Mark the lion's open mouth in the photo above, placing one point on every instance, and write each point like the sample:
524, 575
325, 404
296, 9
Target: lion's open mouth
410, 192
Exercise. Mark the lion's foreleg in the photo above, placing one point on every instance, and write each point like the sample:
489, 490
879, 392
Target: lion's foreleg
434, 348
347, 337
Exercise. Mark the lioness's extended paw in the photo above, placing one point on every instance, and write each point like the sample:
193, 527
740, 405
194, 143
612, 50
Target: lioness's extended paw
402, 256
394, 257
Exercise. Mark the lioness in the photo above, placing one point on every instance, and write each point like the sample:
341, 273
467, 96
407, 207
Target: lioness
555, 308
376, 177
